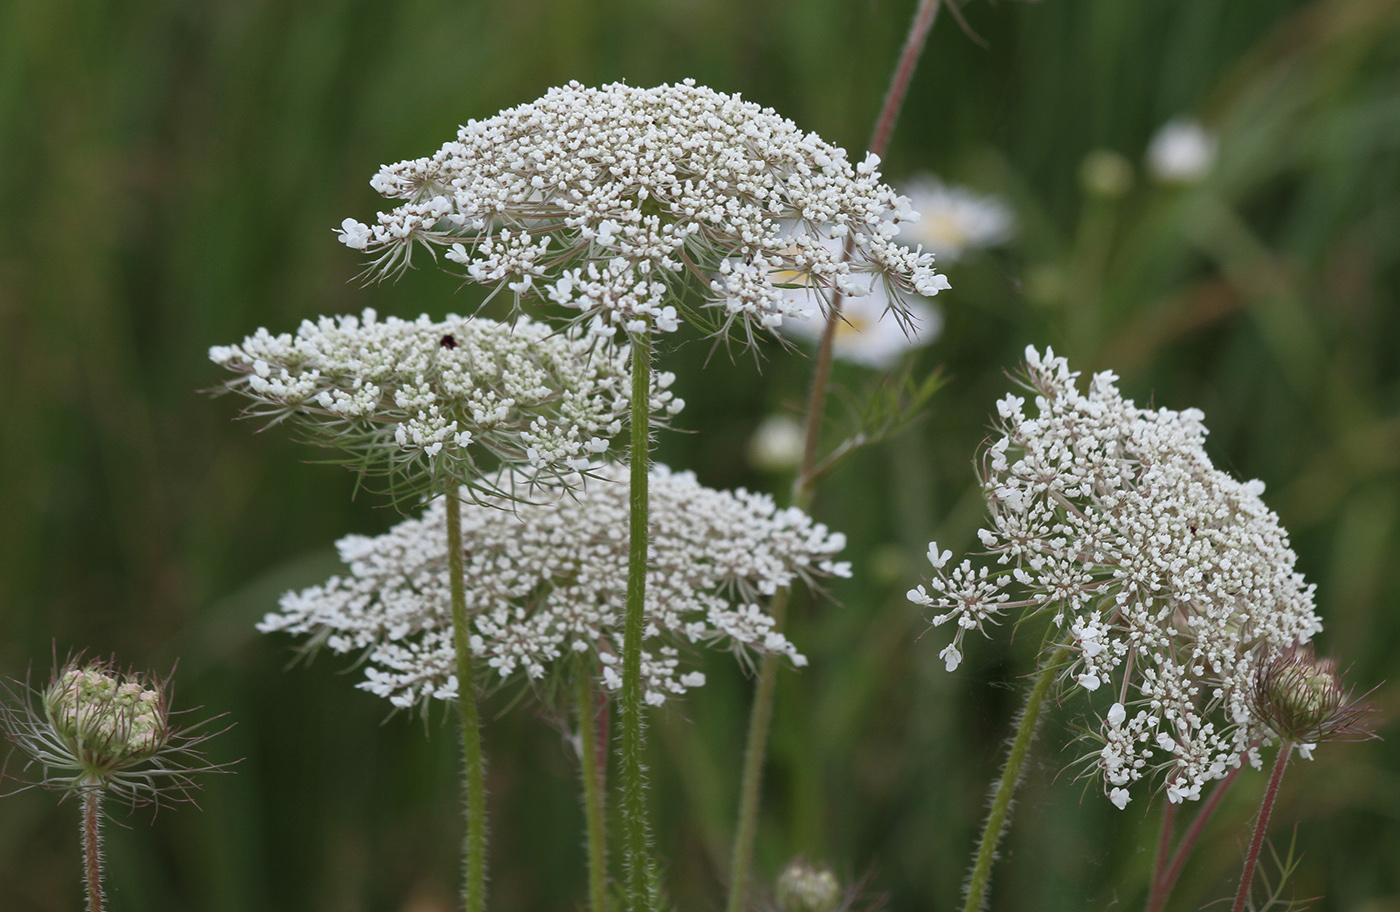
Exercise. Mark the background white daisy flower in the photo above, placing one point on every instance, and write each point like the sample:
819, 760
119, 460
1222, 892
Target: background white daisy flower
954, 220
1182, 151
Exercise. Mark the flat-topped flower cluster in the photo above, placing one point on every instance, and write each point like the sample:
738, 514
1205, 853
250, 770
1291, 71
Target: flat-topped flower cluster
607, 200
547, 578
427, 398
1170, 581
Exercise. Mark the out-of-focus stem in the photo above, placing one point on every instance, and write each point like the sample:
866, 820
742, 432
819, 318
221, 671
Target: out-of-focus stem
92, 847
640, 881
803, 487
1164, 845
1006, 786
592, 772
760, 716
474, 766
1265, 808
924, 18
1163, 884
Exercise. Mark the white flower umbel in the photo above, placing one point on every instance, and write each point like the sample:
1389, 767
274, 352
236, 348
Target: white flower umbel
609, 200
430, 401
547, 579
1182, 152
1168, 581
955, 220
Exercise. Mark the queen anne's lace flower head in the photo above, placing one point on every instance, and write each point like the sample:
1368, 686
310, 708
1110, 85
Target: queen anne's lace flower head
607, 200
1169, 581
548, 579
425, 400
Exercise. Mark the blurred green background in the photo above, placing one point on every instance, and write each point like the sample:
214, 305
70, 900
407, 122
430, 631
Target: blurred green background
170, 175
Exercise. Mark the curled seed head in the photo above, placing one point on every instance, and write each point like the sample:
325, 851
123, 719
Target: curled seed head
1302, 698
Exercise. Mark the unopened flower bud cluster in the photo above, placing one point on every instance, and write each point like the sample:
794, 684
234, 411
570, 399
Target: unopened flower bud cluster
1169, 581
802, 887
106, 718
609, 200
1302, 698
428, 398
546, 578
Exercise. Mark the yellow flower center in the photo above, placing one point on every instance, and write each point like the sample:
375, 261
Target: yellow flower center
942, 229
850, 324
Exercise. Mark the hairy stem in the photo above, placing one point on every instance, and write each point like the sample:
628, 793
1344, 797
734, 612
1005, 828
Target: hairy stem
92, 847
1006, 786
1265, 808
634, 817
1162, 884
592, 772
761, 713
474, 767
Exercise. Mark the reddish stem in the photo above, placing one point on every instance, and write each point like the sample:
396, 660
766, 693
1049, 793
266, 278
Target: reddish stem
803, 487
924, 18
816, 403
1265, 807
92, 847
908, 60
1162, 886
1159, 866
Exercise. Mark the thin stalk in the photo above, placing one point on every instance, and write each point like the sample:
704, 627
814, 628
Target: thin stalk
1164, 845
1162, 886
914, 42
1006, 786
634, 817
1265, 808
761, 713
760, 717
474, 767
92, 847
592, 791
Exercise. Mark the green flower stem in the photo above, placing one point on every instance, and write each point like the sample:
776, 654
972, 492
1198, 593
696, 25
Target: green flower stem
92, 846
592, 772
760, 716
1006, 787
474, 889
634, 815
1265, 808
761, 713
